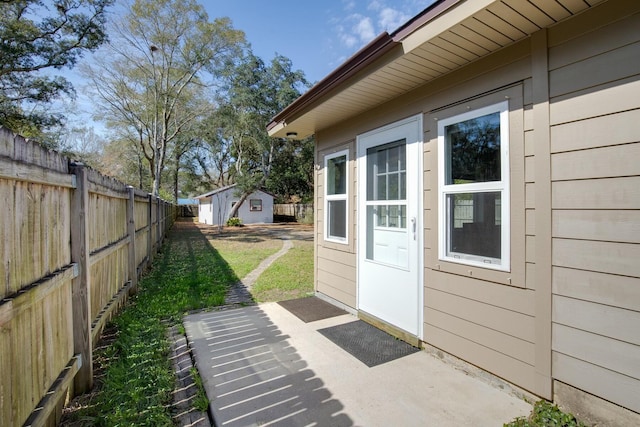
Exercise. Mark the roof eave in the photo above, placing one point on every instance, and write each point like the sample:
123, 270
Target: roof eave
373, 51
360, 60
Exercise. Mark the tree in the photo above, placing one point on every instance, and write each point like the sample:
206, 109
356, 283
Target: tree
254, 94
83, 144
42, 36
155, 74
292, 173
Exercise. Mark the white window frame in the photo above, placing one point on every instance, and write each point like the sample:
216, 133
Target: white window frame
501, 186
336, 197
257, 208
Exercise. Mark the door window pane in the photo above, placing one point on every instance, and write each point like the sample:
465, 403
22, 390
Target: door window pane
394, 153
394, 183
386, 172
392, 216
381, 215
382, 187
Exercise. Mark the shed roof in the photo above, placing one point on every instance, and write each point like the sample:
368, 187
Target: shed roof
444, 37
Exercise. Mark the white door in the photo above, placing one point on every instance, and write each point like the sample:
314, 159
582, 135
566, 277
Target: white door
389, 224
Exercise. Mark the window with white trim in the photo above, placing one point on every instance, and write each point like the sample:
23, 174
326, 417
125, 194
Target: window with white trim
255, 205
336, 182
473, 188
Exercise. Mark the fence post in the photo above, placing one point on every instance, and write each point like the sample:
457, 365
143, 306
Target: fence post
81, 289
131, 231
159, 230
150, 232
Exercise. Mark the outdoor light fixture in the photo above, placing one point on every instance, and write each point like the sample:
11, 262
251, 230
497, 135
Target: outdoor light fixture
292, 134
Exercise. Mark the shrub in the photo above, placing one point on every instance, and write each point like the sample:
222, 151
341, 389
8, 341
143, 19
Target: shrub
307, 218
234, 222
546, 414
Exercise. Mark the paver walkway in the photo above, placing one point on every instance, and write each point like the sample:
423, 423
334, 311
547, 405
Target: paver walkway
239, 293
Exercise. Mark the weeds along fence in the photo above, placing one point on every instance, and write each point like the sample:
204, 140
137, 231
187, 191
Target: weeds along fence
73, 244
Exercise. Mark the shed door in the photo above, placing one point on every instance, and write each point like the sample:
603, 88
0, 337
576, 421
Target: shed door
389, 224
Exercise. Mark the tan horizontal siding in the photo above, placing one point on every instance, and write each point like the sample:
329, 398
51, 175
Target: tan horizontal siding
612, 129
530, 275
620, 389
507, 297
608, 193
340, 256
599, 350
528, 118
508, 345
595, 144
529, 143
337, 288
595, 43
337, 268
606, 162
604, 257
608, 98
529, 169
602, 288
530, 221
589, 20
613, 65
604, 225
489, 359
530, 196
530, 249
617, 323
336, 274
497, 318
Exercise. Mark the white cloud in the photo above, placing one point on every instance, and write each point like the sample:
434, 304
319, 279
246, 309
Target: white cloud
375, 5
360, 22
364, 29
348, 40
390, 19
349, 4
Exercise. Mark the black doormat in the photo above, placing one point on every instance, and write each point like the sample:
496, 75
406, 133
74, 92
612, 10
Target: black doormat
311, 309
367, 343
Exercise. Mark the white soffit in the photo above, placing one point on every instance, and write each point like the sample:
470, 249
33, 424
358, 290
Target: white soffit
463, 34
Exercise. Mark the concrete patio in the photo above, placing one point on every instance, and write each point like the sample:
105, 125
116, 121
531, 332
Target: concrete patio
261, 365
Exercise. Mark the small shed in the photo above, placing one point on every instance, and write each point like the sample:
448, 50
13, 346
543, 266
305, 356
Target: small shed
215, 206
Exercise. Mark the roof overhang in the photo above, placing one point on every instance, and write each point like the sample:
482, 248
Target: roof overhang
446, 36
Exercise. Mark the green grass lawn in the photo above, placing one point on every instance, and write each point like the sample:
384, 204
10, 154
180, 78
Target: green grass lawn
289, 277
134, 378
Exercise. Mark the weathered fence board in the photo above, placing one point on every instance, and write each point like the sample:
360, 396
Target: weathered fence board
72, 244
296, 211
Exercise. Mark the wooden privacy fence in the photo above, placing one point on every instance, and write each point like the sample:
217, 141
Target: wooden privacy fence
292, 210
73, 243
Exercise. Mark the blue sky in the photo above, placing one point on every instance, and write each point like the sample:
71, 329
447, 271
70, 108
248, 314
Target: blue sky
318, 35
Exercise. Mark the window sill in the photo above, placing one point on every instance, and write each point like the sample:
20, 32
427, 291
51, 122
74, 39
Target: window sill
483, 273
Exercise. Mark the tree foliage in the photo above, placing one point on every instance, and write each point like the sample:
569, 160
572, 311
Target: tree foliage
36, 37
254, 93
154, 78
